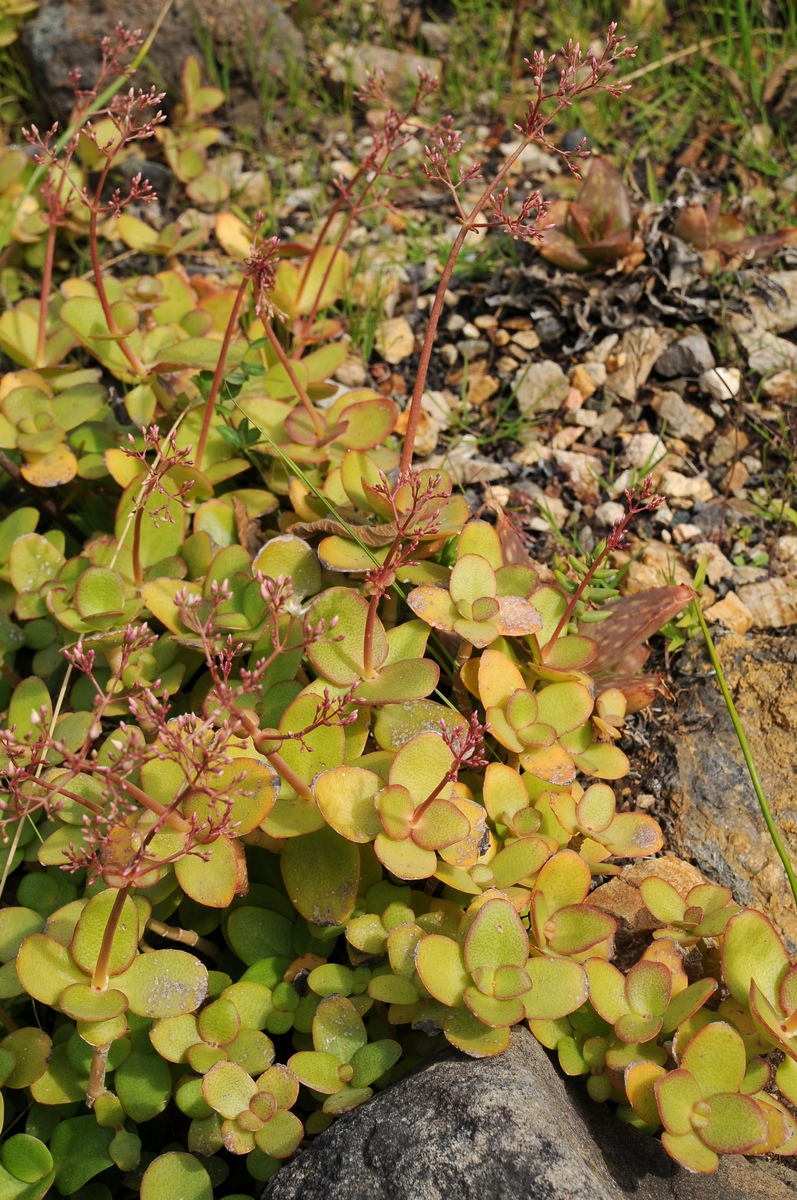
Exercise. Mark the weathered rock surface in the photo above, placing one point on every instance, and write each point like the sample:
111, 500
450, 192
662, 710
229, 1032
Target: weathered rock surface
690, 355
505, 1128
718, 823
250, 34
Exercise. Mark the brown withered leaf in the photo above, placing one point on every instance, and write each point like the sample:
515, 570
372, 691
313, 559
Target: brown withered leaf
247, 528
632, 621
369, 535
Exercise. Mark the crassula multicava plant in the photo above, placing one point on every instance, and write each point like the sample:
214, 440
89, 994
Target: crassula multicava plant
305, 774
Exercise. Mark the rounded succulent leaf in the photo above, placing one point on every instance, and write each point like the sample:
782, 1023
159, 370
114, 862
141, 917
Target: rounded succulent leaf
558, 987
45, 968
505, 794
256, 933
26, 1158
404, 859
280, 1136
84, 1003
564, 880
219, 1023
176, 1174
640, 1080
227, 1088
90, 931
164, 983
648, 986
735, 1124
321, 873
373, 1061
341, 660
441, 967
316, 1070
470, 1035
496, 937
716, 1059
338, 1028
752, 949
345, 796
213, 878
498, 678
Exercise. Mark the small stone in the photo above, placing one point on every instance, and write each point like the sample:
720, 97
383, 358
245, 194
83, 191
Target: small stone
518, 353
550, 328
531, 452
683, 420
485, 321
395, 340
574, 400
644, 450
399, 68
685, 533
609, 512
736, 478
585, 417
499, 337
727, 445
781, 387
722, 383
580, 378
436, 35
643, 346
718, 566
599, 353
531, 157
780, 314
551, 506
471, 348
427, 433
772, 603
542, 388
455, 323
785, 550
690, 355
676, 486
506, 365
564, 438
449, 353
469, 330
528, 339
766, 352
583, 471
352, 373
481, 389
744, 575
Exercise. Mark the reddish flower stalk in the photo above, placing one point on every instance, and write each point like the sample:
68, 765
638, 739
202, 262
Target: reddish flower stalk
638, 502
415, 522
581, 73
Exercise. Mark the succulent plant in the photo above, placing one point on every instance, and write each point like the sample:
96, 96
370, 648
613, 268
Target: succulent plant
370, 820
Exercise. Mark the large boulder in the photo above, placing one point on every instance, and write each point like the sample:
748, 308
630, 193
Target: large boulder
253, 36
504, 1128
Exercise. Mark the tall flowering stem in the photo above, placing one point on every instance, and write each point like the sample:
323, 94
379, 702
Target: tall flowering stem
645, 500
581, 73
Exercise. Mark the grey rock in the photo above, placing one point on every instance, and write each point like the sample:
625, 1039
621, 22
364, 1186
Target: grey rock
436, 35
504, 1128
542, 387
718, 823
254, 36
689, 356
683, 420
